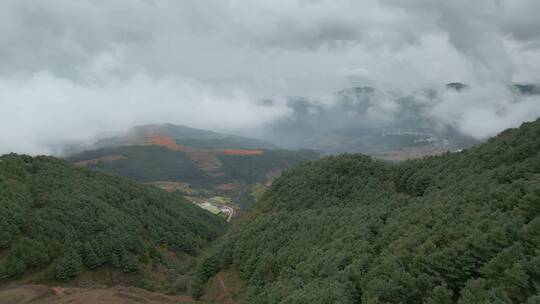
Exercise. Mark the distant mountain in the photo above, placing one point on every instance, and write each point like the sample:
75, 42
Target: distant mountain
366, 120
59, 222
516, 88
458, 86
158, 153
458, 228
197, 138
526, 88
390, 125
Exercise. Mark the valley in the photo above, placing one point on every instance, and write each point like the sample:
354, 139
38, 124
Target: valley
457, 228
270, 152
214, 165
298, 227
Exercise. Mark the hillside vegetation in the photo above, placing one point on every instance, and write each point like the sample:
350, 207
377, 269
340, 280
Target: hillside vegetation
147, 163
58, 221
458, 228
251, 169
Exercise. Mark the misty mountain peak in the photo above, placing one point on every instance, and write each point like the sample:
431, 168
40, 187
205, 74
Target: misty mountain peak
457, 86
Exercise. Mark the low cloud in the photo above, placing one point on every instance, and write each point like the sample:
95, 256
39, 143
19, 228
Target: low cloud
74, 70
42, 113
484, 110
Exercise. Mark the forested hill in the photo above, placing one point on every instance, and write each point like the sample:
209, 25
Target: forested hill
58, 221
458, 228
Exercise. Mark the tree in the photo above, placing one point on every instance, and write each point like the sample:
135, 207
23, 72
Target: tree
440, 295
127, 263
90, 258
67, 266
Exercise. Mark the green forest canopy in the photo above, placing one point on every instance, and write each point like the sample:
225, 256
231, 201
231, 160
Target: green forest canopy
57, 217
459, 228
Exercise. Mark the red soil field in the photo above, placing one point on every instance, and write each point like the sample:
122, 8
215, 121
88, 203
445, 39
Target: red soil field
240, 152
205, 159
166, 142
227, 187
171, 144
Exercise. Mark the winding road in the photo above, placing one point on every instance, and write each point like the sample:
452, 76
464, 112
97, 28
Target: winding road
231, 212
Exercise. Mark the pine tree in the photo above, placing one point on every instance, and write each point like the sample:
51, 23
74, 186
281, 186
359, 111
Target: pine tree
67, 266
90, 258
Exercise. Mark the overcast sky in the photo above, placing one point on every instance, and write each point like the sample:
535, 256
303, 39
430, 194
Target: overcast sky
73, 70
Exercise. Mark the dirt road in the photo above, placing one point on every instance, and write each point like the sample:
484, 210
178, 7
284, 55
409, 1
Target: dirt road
225, 290
231, 212
41, 294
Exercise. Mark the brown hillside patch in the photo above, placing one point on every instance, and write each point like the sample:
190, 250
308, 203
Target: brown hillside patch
239, 152
227, 186
204, 159
172, 186
224, 287
166, 142
40, 294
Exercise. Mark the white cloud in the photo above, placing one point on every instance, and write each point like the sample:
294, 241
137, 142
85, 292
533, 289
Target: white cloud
76, 68
484, 110
43, 111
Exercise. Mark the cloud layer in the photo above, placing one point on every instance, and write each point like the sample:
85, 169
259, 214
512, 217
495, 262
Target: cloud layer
72, 70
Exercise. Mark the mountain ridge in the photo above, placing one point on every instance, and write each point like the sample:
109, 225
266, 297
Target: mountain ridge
142, 133
458, 228
171, 153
